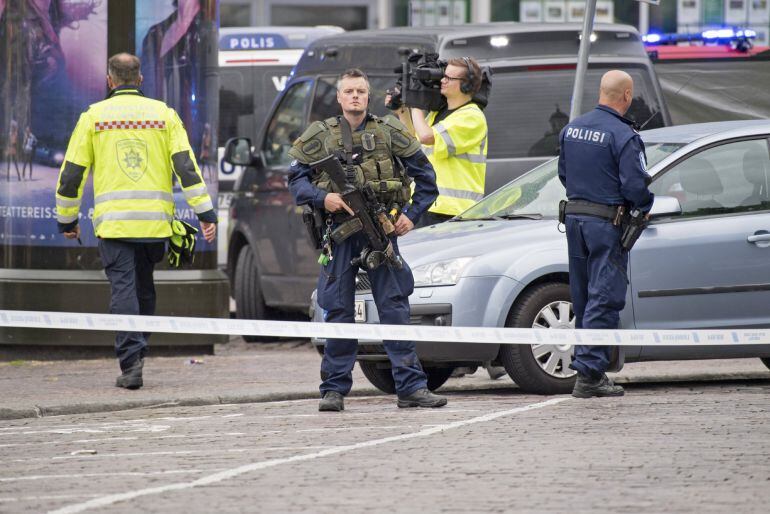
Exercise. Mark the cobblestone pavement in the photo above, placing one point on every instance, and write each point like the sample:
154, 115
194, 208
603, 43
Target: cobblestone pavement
242, 373
664, 447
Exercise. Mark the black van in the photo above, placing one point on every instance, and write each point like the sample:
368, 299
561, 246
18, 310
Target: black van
272, 265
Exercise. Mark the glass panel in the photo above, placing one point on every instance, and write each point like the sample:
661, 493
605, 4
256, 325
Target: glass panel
287, 124
533, 106
234, 15
236, 104
726, 179
538, 192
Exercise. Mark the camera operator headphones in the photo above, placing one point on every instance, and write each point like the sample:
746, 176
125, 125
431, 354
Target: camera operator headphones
467, 85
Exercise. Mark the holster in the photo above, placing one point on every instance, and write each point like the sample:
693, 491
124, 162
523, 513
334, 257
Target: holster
633, 225
313, 221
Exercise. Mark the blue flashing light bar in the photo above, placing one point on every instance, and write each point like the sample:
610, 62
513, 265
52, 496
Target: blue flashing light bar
717, 36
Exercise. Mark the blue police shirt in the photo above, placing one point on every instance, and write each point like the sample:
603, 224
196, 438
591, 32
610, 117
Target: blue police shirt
417, 166
602, 160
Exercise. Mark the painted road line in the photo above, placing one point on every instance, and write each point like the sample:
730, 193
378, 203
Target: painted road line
111, 499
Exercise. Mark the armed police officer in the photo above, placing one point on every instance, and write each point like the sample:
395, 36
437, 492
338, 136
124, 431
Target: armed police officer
371, 150
133, 144
602, 164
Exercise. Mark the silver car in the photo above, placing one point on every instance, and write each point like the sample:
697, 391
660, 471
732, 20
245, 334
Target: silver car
704, 262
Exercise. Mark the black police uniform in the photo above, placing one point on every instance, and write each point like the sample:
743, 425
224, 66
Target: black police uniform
601, 162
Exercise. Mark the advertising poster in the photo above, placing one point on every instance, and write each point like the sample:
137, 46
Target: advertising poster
531, 11
555, 11
605, 11
736, 12
688, 13
53, 55
171, 41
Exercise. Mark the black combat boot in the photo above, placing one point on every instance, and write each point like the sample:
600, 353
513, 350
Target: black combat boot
422, 398
132, 375
586, 387
332, 401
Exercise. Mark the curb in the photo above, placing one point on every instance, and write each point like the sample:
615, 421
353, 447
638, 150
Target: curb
200, 401
196, 401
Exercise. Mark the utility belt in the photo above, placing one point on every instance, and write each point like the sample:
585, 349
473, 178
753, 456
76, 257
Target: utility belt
611, 213
631, 222
317, 221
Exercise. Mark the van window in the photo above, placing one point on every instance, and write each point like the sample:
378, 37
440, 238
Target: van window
236, 103
528, 108
287, 124
325, 99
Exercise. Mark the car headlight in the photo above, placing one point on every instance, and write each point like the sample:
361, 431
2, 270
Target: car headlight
441, 273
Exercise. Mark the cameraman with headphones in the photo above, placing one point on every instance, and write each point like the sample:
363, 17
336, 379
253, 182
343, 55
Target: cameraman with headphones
455, 141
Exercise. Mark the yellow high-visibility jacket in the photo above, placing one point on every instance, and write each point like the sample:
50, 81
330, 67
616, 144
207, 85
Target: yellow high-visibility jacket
133, 144
459, 156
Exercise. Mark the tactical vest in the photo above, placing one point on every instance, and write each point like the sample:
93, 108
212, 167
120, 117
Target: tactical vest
375, 166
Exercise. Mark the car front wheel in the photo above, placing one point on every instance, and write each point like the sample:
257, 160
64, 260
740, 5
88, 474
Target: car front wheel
541, 368
382, 378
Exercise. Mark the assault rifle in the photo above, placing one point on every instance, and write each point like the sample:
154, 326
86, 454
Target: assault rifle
368, 212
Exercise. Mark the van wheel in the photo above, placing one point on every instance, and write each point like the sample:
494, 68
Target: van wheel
541, 368
382, 378
249, 303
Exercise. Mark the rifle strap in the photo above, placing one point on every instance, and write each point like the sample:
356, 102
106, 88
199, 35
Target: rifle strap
347, 139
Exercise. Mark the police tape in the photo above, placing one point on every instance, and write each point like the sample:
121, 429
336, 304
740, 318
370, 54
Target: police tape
374, 332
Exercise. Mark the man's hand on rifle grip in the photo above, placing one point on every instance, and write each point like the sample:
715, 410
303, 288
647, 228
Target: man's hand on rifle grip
333, 202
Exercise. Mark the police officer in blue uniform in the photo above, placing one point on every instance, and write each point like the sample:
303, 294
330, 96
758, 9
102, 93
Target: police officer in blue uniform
375, 142
603, 167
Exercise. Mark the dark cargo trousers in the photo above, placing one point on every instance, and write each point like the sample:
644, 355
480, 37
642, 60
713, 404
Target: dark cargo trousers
129, 268
598, 283
336, 296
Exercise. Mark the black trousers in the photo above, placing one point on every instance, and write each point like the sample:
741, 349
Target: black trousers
129, 268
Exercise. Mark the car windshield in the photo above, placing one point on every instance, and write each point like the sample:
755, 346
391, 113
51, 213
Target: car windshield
536, 194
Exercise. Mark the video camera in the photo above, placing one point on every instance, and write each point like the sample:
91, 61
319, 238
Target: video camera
419, 84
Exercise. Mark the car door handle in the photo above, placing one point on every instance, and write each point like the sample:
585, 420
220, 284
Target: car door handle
758, 238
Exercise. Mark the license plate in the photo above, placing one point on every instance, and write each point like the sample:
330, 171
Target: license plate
360, 312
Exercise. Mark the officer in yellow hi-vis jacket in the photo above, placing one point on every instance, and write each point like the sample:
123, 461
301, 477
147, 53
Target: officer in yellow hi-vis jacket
455, 141
133, 144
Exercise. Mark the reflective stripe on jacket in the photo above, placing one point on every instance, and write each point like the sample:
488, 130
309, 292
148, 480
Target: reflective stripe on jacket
459, 156
133, 145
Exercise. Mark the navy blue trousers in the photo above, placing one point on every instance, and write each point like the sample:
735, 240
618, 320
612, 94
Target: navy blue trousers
129, 268
336, 295
597, 282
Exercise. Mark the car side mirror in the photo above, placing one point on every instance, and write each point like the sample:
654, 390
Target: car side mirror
665, 206
238, 152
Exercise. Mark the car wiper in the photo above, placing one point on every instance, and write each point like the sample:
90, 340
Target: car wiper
517, 216
483, 218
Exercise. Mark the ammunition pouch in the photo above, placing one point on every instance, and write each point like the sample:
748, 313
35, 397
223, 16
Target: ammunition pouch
313, 221
346, 229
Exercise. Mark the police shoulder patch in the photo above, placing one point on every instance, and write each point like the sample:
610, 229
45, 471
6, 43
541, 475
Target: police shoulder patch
643, 161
